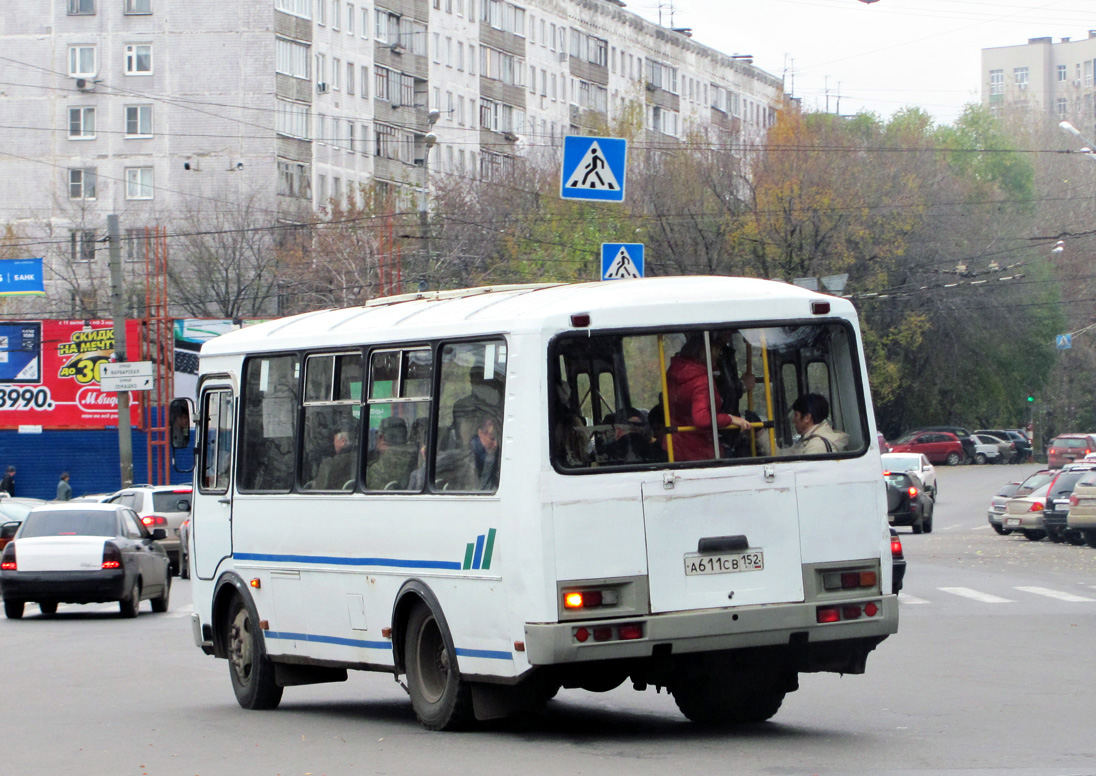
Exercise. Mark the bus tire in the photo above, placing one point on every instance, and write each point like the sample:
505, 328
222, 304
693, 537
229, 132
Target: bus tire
13, 609
251, 671
441, 699
718, 695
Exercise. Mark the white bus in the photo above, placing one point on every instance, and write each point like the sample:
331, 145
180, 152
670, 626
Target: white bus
487, 492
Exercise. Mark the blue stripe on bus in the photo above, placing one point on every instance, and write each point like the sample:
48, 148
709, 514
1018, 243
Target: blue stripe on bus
392, 562
484, 653
478, 558
328, 640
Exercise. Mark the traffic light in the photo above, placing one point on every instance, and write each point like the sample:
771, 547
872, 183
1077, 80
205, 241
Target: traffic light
1031, 398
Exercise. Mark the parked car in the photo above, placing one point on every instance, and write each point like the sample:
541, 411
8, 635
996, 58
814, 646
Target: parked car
1025, 513
13, 511
916, 463
1067, 448
1022, 445
160, 506
84, 553
899, 563
1056, 511
1082, 508
997, 507
907, 502
937, 446
990, 449
962, 434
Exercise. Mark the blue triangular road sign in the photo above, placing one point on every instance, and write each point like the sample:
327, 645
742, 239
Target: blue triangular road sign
593, 168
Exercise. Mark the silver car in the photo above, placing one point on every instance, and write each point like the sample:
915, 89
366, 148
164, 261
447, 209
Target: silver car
160, 506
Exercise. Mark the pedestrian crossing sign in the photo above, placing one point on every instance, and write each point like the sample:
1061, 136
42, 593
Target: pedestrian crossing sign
593, 168
1064, 341
621, 261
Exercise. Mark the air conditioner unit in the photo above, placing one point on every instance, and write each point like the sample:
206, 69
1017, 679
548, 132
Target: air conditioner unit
84, 84
563, 56
651, 87
321, 88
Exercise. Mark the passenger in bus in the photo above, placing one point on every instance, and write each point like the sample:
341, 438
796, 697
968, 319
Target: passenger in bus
569, 435
690, 401
810, 413
632, 440
485, 454
389, 466
419, 428
336, 472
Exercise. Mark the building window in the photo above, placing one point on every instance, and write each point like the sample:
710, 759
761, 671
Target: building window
81, 123
82, 246
350, 78
336, 67
82, 61
293, 119
393, 143
138, 59
136, 245
336, 12
138, 183
138, 121
81, 7
321, 11
365, 23
365, 81
291, 58
1063, 73
302, 8
294, 180
321, 69
349, 19
1020, 76
82, 183
1062, 106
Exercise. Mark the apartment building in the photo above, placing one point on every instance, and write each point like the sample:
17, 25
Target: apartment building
1055, 78
156, 110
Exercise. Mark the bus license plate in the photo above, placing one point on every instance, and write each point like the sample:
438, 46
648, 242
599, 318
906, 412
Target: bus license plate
725, 563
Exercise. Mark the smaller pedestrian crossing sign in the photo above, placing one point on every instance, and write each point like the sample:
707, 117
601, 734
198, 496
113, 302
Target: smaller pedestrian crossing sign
593, 168
1064, 341
621, 261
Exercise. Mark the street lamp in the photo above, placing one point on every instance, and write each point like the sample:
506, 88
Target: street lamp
424, 218
1069, 129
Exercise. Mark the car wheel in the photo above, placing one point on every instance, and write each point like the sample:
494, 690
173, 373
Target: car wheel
441, 699
1001, 531
1034, 535
980, 458
184, 567
131, 604
918, 527
1076, 538
926, 525
13, 609
1090, 540
251, 671
953, 459
47, 607
1056, 537
160, 603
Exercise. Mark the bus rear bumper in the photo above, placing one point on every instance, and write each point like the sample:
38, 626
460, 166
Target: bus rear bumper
710, 631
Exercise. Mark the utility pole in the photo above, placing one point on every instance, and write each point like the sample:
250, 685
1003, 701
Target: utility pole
117, 310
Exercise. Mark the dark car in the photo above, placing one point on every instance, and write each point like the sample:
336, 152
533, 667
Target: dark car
1021, 443
1056, 510
899, 559
907, 502
997, 507
84, 553
964, 439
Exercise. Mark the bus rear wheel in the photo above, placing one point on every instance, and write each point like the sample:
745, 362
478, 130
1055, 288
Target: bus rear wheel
441, 699
717, 695
252, 672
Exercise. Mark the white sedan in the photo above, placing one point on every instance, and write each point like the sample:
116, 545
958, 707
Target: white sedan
912, 462
84, 553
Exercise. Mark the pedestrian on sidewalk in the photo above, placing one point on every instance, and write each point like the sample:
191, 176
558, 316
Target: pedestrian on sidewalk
64, 490
7, 485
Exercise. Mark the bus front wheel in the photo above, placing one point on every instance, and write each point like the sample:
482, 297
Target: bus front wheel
251, 670
441, 699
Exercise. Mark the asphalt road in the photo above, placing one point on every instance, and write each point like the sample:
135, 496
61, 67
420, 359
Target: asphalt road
990, 673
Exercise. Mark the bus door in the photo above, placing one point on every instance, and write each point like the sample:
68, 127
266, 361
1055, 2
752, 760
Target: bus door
211, 513
726, 540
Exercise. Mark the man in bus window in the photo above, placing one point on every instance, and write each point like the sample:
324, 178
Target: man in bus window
390, 465
337, 470
810, 413
485, 454
484, 399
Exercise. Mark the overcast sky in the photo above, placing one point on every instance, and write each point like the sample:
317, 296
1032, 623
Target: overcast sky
880, 56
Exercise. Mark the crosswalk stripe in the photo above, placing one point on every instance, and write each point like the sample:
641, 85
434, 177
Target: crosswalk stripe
1059, 594
985, 598
906, 598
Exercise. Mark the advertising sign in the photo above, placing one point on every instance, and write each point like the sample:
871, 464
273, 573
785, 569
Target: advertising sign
21, 277
50, 371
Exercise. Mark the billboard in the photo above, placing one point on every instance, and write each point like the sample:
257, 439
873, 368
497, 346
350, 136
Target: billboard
49, 373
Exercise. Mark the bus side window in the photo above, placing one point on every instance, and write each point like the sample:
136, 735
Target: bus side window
269, 427
332, 406
216, 441
468, 453
399, 399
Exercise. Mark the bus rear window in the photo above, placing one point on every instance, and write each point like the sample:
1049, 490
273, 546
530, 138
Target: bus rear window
776, 391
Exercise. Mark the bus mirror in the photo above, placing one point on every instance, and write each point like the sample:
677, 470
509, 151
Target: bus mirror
179, 413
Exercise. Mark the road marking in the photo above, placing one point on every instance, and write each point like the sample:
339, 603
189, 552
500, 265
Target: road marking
1059, 594
985, 598
906, 598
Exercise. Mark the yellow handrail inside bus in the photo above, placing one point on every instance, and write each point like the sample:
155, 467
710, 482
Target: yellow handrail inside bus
665, 400
768, 391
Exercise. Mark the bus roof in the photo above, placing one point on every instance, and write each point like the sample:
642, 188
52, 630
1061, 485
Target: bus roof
661, 301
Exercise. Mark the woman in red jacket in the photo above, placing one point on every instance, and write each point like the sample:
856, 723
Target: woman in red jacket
690, 400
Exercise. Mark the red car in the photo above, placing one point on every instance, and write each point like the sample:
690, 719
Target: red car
1067, 448
937, 446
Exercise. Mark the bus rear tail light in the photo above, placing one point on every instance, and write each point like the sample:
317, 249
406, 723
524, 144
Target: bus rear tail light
851, 580
846, 612
574, 600
112, 556
7, 560
629, 631
154, 521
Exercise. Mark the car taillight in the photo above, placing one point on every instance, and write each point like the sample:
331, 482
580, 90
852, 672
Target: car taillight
896, 547
913, 491
1036, 506
1073, 500
112, 556
154, 521
7, 560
